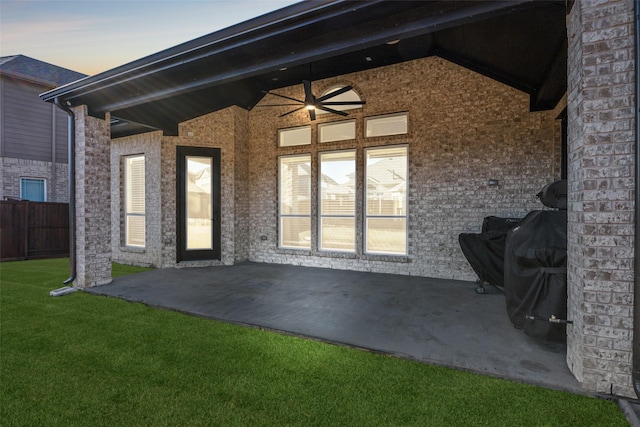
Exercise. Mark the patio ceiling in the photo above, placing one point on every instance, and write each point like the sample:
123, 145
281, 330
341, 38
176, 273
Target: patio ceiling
521, 43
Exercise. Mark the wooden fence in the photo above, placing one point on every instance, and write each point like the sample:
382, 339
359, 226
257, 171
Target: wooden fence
31, 230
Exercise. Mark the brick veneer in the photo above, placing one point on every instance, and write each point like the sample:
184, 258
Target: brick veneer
12, 169
464, 128
601, 206
93, 200
225, 130
149, 145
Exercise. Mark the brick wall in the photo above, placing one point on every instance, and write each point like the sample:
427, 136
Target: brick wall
223, 129
601, 206
149, 145
241, 184
12, 169
464, 129
93, 200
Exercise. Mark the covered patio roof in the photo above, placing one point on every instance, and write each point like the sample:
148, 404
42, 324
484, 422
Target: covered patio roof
521, 43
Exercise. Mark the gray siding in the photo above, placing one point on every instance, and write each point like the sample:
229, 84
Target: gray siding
27, 123
61, 136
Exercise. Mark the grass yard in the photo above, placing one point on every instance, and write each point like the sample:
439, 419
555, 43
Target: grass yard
85, 360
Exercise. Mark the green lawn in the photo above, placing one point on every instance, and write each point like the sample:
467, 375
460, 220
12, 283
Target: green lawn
85, 360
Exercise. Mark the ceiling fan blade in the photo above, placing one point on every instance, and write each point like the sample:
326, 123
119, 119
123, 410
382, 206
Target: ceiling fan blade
309, 99
335, 93
292, 111
283, 96
278, 105
344, 103
312, 114
331, 110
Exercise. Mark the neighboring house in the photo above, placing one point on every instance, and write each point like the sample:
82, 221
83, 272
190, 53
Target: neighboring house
462, 93
33, 135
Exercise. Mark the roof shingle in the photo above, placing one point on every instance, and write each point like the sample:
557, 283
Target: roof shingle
26, 67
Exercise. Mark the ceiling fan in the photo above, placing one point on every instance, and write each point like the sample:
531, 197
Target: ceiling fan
311, 103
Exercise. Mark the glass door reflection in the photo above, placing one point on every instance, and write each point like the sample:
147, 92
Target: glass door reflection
199, 213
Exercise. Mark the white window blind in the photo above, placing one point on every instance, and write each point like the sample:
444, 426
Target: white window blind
134, 201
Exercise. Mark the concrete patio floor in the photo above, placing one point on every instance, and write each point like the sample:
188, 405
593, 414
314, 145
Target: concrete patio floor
442, 322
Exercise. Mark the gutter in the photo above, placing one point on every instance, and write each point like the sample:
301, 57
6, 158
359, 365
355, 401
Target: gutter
635, 374
242, 35
72, 197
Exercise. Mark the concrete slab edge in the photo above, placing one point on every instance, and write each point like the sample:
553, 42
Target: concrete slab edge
629, 412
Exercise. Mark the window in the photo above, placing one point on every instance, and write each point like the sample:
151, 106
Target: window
34, 189
390, 124
134, 201
386, 200
337, 131
346, 97
295, 201
337, 201
294, 136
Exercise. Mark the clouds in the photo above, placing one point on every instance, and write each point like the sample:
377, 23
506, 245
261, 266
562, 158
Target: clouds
93, 36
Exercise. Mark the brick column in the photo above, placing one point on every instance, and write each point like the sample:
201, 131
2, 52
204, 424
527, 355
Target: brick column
601, 189
93, 200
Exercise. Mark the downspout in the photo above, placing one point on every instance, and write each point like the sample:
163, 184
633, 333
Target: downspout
635, 375
71, 144
54, 183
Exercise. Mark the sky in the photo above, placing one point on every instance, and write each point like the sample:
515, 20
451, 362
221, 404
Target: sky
91, 36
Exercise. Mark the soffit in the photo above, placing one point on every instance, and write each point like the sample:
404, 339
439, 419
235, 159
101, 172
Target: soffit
520, 43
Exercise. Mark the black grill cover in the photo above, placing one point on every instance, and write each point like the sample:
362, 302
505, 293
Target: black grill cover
535, 274
485, 251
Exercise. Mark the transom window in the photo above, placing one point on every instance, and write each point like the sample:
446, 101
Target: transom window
348, 96
389, 124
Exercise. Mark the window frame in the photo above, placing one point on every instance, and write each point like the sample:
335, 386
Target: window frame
127, 213
365, 214
282, 132
321, 216
25, 179
281, 215
326, 125
372, 119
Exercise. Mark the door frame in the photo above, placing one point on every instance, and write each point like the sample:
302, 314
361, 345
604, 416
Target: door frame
182, 254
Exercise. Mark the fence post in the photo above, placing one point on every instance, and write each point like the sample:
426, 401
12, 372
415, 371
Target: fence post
26, 229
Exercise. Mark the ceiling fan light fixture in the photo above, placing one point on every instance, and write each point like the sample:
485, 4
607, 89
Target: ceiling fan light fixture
323, 104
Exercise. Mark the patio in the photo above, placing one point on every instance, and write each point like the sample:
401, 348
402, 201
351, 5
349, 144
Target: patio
437, 321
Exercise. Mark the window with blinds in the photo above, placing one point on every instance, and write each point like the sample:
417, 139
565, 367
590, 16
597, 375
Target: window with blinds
337, 201
295, 201
134, 201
